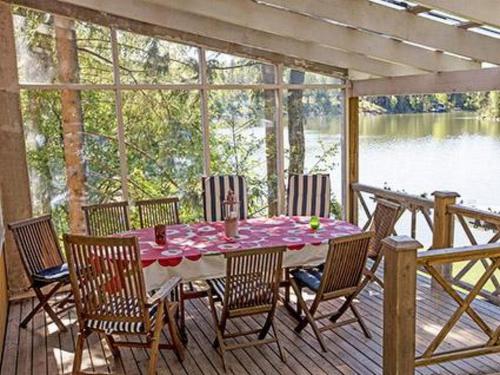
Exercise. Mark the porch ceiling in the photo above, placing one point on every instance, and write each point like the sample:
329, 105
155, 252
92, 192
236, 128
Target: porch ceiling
373, 39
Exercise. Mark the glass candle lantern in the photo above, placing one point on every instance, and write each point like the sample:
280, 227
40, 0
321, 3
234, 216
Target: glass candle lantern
230, 211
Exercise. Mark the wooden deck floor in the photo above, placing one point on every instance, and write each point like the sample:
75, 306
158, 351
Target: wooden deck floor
41, 349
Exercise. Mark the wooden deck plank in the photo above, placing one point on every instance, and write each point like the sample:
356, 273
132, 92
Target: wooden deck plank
41, 349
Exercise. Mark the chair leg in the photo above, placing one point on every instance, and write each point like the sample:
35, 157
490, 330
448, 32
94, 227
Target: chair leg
362, 324
308, 316
44, 302
219, 330
174, 333
77, 361
155, 341
341, 311
275, 332
182, 313
112, 345
267, 325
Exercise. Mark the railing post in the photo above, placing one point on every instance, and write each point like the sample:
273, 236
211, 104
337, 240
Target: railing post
400, 280
444, 225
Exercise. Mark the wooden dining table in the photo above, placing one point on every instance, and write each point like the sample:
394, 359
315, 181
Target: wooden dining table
195, 251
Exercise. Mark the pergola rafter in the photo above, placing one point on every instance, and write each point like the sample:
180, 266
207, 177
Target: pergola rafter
402, 25
231, 38
299, 27
485, 11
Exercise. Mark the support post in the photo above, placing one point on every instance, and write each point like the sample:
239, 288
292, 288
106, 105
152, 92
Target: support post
400, 282
14, 180
350, 160
444, 228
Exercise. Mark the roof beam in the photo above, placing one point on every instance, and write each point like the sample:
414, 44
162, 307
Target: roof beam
460, 81
402, 25
154, 20
299, 27
484, 11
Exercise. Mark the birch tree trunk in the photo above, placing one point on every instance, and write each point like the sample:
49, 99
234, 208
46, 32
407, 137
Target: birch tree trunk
72, 122
268, 75
296, 137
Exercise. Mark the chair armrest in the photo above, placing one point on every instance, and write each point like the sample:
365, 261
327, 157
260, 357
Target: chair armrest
164, 291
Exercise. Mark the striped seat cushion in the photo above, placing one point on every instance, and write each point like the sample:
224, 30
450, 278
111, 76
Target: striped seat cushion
117, 308
52, 274
309, 195
218, 286
215, 189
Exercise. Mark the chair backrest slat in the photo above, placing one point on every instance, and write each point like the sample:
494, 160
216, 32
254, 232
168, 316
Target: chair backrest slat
107, 278
158, 211
308, 195
382, 224
106, 219
252, 278
215, 189
345, 262
37, 243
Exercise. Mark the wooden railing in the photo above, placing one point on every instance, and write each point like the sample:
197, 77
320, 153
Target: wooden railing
400, 278
413, 204
490, 222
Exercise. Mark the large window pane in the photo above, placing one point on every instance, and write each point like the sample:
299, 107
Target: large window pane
95, 57
312, 123
45, 154
228, 69
35, 46
101, 147
164, 147
296, 77
243, 142
145, 59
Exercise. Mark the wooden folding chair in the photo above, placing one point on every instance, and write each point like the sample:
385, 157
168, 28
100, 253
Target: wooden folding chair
215, 190
308, 195
341, 277
110, 295
249, 288
44, 264
106, 219
158, 211
382, 224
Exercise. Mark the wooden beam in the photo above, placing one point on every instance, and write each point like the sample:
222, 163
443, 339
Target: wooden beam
484, 11
404, 26
351, 161
295, 26
156, 20
14, 180
202, 39
462, 81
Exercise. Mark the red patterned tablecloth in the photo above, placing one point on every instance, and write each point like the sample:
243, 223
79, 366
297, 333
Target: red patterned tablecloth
193, 241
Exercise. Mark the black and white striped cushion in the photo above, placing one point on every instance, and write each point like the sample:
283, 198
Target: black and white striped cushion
215, 189
111, 326
309, 195
218, 286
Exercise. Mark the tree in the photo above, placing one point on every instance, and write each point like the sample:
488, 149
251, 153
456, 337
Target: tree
72, 122
296, 136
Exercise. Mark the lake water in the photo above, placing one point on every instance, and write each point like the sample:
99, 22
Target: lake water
426, 152
421, 153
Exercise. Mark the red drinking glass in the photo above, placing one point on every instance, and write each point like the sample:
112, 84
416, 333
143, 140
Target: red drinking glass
160, 235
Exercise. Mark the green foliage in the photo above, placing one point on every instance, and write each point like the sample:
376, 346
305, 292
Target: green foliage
162, 128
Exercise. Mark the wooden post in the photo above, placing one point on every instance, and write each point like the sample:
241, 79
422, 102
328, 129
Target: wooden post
400, 280
350, 167
444, 225
14, 180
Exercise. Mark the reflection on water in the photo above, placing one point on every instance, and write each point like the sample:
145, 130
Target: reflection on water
439, 126
426, 152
